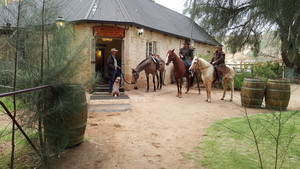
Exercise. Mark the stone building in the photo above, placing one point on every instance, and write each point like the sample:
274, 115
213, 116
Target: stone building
136, 28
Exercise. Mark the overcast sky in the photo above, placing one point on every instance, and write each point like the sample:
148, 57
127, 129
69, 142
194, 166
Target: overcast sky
176, 5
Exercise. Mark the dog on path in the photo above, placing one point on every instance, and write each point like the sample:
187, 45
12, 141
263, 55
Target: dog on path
115, 91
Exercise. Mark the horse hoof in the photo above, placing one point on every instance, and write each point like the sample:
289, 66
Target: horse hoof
222, 98
206, 100
209, 101
230, 100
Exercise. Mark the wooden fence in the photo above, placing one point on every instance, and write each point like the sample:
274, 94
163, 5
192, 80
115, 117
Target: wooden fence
242, 67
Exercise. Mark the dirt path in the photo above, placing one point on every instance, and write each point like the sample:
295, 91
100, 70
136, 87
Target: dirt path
158, 133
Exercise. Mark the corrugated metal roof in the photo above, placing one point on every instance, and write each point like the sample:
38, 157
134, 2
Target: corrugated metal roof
142, 13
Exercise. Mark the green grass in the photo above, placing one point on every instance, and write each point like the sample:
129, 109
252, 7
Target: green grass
229, 143
7, 103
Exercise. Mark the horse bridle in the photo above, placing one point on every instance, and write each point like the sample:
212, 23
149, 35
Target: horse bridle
198, 67
168, 55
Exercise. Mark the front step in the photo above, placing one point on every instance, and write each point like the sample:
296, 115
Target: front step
103, 88
101, 95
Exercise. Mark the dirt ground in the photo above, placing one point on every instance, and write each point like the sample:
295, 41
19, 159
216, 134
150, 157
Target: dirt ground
159, 132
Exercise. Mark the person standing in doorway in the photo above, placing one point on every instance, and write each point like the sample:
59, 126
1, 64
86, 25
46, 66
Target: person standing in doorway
114, 70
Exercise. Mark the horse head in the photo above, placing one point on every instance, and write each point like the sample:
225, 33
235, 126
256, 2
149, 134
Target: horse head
135, 76
170, 56
194, 65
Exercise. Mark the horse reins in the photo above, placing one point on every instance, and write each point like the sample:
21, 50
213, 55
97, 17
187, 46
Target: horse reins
124, 78
199, 66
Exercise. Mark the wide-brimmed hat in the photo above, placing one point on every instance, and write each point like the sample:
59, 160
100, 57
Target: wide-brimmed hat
113, 50
186, 42
218, 46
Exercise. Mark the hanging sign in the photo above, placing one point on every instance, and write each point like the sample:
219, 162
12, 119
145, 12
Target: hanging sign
109, 31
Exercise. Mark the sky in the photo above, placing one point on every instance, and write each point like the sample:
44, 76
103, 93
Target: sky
176, 5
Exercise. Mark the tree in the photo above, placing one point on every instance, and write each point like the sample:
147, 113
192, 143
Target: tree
245, 20
36, 52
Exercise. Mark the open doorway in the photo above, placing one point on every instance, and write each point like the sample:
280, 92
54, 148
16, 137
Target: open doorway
103, 47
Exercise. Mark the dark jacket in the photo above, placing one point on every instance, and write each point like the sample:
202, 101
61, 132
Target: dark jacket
219, 58
111, 65
187, 54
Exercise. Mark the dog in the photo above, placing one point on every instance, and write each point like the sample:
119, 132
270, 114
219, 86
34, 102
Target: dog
116, 86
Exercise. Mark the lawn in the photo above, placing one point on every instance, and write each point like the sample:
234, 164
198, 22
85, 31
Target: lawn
230, 144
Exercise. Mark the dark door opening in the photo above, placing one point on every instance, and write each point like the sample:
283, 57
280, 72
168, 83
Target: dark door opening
103, 47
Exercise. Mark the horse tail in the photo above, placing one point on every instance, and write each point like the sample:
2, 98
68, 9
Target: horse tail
232, 71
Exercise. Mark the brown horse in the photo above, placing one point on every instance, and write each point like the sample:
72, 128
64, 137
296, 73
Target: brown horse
179, 71
150, 66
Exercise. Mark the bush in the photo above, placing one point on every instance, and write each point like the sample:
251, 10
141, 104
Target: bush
267, 70
238, 80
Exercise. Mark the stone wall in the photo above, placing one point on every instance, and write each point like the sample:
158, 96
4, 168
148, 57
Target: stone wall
133, 52
83, 41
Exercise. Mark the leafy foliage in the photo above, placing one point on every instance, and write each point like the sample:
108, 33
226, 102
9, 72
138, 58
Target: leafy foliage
267, 70
45, 55
238, 80
244, 21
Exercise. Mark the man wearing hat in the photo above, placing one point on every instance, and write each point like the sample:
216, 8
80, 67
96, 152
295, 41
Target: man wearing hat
186, 53
113, 68
219, 63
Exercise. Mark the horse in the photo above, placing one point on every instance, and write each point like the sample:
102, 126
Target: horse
207, 76
179, 71
150, 66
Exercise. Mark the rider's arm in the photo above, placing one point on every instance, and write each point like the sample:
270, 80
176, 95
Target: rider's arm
221, 59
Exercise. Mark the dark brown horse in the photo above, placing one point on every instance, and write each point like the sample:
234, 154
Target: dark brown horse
179, 71
150, 66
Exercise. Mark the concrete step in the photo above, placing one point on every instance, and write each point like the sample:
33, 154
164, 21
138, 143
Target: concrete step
104, 88
108, 99
105, 93
108, 108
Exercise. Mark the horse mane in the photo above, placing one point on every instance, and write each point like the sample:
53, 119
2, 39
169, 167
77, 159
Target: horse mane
204, 62
143, 61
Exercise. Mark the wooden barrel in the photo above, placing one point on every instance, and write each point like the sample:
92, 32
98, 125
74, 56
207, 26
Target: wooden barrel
65, 126
278, 92
252, 92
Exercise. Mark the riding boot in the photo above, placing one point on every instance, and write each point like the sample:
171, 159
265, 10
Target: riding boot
215, 75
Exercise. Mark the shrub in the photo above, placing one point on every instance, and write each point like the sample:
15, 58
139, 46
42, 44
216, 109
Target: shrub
267, 70
239, 78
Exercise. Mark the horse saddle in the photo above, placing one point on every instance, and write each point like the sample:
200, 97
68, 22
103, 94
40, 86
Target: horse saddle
157, 60
221, 70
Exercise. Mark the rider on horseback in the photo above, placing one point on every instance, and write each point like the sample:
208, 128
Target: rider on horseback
186, 53
219, 63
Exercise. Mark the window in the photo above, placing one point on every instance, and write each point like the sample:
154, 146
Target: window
151, 48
